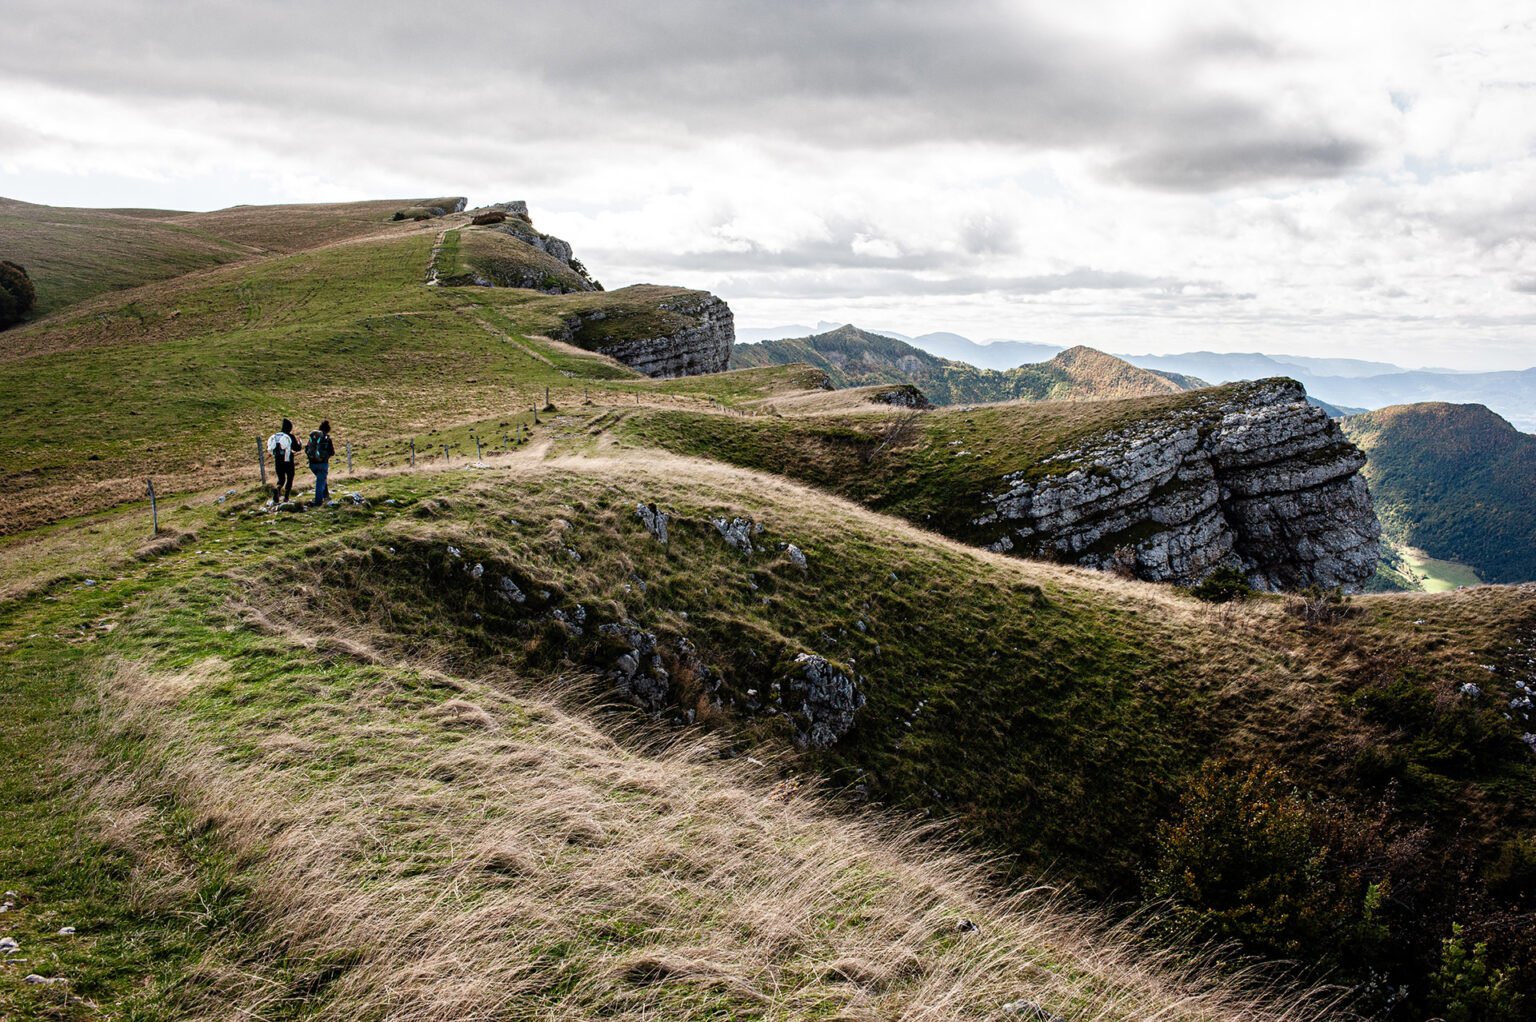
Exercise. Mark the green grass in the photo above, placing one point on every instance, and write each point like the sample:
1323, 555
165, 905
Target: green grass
181, 380
1438, 576
283, 806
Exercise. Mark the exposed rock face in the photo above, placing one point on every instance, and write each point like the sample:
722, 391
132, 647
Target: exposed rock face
1254, 477
701, 346
903, 395
827, 701
513, 220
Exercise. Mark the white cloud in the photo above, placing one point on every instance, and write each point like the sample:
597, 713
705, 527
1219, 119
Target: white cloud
1312, 177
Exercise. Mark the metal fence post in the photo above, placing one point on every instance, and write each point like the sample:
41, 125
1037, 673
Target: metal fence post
261, 461
413, 452
446, 459
154, 511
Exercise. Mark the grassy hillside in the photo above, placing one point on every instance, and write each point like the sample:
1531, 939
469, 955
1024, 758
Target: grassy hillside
855, 358
289, 674
315, 812
178, 379
73, 254
380, 760
1455, 481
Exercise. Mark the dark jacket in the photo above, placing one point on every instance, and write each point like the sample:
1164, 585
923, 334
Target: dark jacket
319, 449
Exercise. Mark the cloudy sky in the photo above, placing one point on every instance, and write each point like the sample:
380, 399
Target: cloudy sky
1328, 178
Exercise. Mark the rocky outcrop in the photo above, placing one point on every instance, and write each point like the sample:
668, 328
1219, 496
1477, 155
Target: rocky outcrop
513, 220
695, 337
825, 701
1252, 476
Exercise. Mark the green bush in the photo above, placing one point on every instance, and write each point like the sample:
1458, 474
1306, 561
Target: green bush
1467, 988
1240, 863
1223, 585
17, 296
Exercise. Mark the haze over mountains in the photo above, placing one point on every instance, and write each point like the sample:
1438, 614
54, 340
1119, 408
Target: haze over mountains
1346, 383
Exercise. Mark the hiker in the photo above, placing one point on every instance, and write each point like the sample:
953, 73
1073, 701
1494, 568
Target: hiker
319, 451
285, 451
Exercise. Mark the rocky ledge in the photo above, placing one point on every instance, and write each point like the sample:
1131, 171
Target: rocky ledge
697, 337
1250, 476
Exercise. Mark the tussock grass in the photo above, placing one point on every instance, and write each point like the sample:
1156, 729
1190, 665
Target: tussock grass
412, 846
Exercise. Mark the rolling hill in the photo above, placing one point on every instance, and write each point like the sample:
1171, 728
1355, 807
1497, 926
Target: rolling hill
1456, 481
855, 358
603, 694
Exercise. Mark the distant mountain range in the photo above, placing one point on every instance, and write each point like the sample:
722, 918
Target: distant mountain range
857, 358
1343, 384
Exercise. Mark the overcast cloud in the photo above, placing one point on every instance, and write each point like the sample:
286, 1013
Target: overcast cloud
1308, 177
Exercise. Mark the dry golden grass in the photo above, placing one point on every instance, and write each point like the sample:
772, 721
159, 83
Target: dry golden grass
452, 852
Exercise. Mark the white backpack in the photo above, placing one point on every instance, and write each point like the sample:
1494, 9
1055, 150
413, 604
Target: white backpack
281, 446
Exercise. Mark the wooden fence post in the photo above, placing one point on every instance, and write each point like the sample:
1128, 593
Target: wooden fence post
261, 461
477, 448
349, 459
413, 452
446, 459
154, 511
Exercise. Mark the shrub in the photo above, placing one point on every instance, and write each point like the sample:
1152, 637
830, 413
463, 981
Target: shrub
493, 217
1240, 863
17, 296
1467, 988
1318, 606
1223, 585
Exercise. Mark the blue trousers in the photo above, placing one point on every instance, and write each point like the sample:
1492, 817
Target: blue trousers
320, 469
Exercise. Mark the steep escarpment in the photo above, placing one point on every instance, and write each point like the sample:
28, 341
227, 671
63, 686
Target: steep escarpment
1165, 488
1257, 479
662, 332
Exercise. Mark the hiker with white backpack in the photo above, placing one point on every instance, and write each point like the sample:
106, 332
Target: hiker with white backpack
285, 448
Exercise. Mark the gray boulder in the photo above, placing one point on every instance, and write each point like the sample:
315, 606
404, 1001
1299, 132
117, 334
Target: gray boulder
823, 701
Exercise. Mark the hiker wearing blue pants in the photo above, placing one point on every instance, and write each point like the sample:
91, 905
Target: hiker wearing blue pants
320, 450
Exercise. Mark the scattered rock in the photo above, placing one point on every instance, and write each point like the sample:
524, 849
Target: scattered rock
797, 557
639, 671
477, 572
35, 979
66, 931
966, 926
654, 520
508, 590
737, 533
1031, 1011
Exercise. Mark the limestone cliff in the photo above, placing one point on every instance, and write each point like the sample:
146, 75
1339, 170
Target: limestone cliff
1252, 477
680, 333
